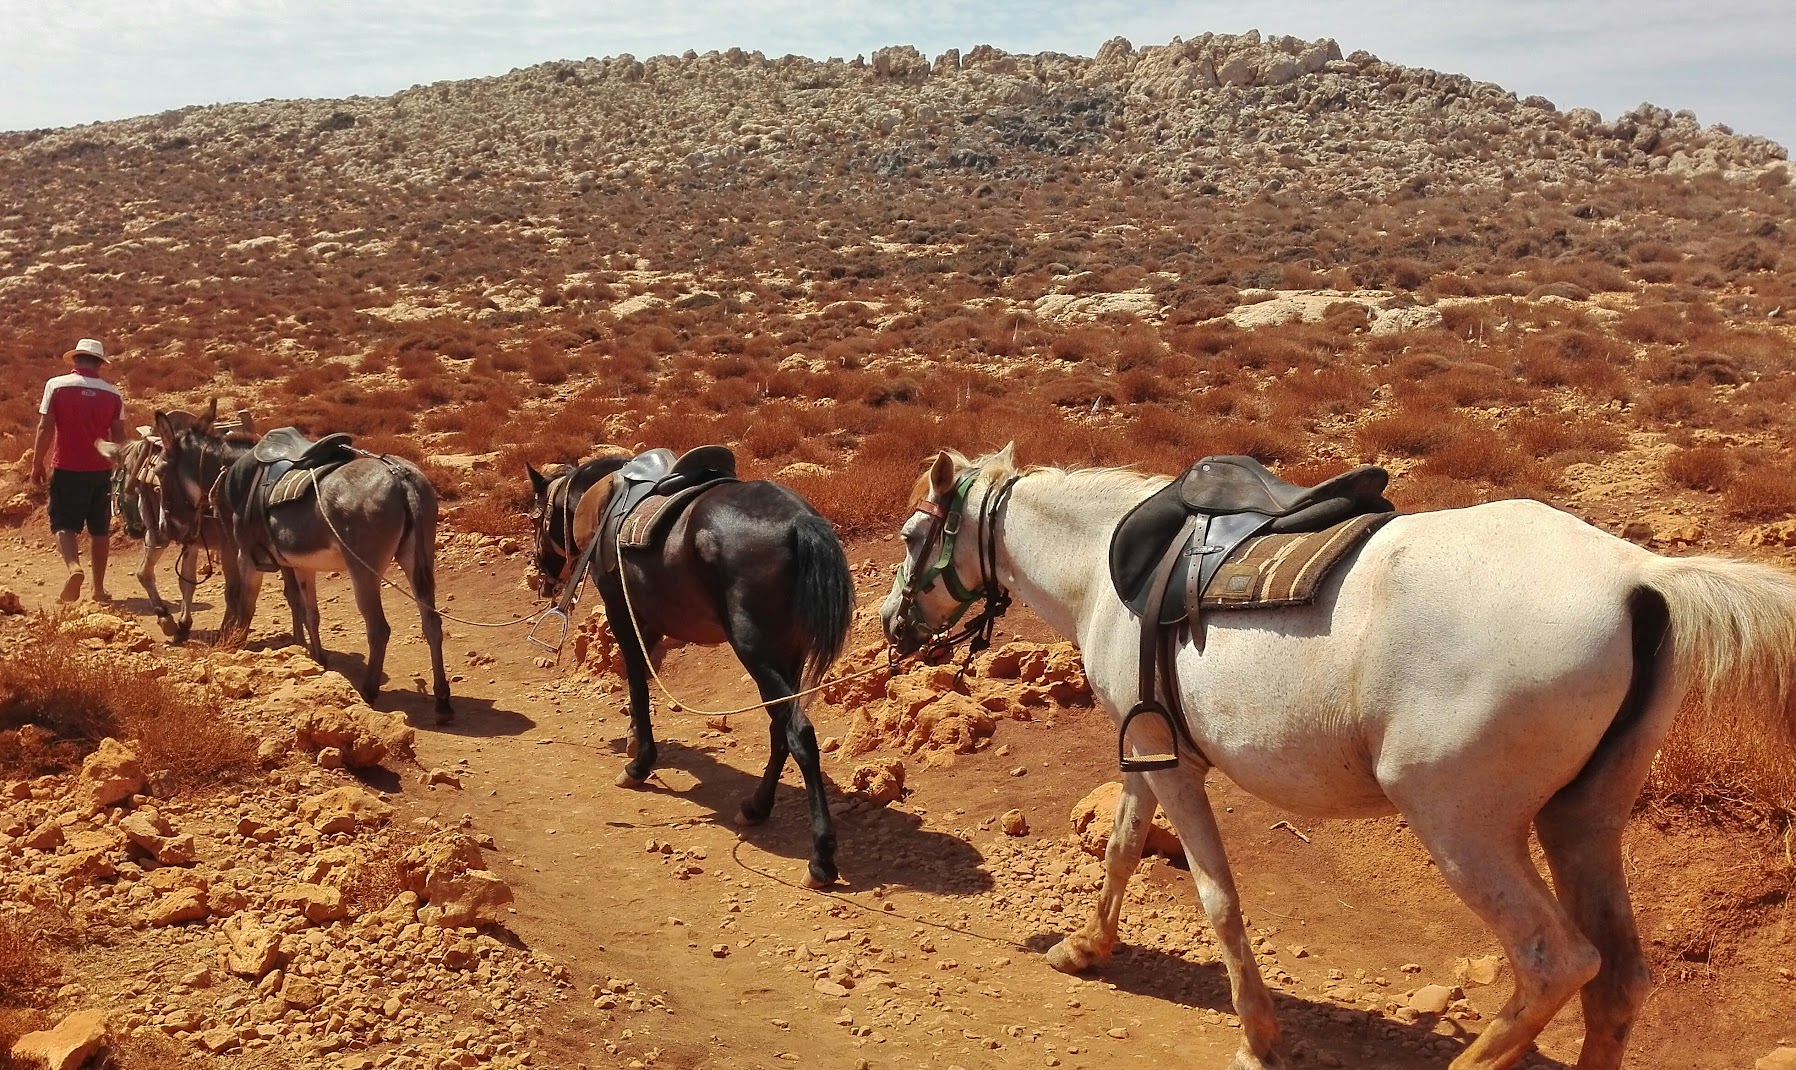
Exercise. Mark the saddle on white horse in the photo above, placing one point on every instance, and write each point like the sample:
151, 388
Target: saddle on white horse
1169, 554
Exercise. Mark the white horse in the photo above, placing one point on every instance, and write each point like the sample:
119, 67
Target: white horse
1479, 671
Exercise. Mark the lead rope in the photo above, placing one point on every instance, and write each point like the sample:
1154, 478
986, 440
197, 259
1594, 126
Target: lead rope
679, 706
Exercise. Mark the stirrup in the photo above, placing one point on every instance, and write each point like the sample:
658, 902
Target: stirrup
1146, 763
552, 613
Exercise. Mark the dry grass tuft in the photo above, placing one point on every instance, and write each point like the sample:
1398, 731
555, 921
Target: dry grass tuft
52, 683
1722, 756
1701, 468
1762, 492
25, 966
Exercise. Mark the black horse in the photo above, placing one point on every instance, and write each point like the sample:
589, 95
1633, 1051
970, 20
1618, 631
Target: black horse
750, 564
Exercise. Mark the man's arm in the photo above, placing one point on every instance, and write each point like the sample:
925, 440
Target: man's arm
39, 447
118, 431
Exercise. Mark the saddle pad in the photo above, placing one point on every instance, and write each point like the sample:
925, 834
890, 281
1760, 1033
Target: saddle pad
643, 525
292, 487
1286, 570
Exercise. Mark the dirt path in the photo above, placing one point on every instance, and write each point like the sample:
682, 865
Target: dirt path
692, 945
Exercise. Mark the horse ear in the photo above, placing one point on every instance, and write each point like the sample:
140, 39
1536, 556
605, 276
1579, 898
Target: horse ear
941, 475
163, 431
211, 417
537, 480
1006, 457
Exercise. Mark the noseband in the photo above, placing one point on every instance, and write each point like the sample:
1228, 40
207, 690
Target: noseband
935, 559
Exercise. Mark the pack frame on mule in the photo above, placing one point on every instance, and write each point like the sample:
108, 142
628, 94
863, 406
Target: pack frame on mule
1491, 673
362, 516
745, 563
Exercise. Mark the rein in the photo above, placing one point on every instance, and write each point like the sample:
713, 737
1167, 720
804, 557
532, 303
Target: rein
944, 530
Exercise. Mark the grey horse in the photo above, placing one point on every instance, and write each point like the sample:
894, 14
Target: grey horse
359, 518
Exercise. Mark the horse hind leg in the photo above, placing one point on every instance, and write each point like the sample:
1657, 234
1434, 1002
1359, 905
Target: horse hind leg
146, 575
366, 584
418, 562
1091, 945
1486, 863
756, 807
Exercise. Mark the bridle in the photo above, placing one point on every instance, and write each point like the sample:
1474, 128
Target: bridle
935, 560
200, 504
554, 510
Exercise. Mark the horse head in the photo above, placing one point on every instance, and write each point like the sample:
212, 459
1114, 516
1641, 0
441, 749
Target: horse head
947, 537
188, 465
550, 522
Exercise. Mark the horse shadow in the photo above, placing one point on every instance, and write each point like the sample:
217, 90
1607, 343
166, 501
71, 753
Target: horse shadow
1353, 1035
878, 846
474, 717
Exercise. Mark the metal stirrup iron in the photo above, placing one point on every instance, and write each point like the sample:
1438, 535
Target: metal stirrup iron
570, 593
1149, 700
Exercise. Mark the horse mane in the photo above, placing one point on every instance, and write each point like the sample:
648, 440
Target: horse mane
999, 465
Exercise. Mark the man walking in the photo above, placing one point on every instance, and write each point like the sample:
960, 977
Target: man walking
79, 409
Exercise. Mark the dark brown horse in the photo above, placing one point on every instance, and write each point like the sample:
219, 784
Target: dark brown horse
748, 564
359, 518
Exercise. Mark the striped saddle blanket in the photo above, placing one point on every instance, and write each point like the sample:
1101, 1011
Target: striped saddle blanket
1286, 570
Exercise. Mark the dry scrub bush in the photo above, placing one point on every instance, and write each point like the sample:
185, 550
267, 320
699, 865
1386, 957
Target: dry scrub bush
1761, 492
1478, 454
53, 683
24, 965
1544, 436
1701, 468
1408, 432
1726, 755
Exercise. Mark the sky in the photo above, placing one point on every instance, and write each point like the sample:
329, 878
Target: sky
67, 62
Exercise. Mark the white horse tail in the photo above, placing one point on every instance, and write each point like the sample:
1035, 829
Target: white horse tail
1733, 636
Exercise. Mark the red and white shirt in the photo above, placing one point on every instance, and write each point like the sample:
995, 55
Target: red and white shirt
82, 408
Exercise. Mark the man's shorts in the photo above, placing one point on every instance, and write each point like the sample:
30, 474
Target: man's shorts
81, 500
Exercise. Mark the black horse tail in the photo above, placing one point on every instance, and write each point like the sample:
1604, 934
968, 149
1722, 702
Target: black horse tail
825, 594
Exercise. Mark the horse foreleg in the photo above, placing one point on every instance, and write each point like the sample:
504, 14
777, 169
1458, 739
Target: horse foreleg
635, 653
146, 575
1090, 946
187, 578
243, 587
367, 599
1182, 794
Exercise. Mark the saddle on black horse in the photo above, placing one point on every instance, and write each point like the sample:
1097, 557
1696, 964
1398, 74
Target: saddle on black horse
282, 468
1167, 559
651, 491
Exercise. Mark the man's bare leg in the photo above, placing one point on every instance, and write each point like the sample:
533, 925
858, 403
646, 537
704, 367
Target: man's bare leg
68, 543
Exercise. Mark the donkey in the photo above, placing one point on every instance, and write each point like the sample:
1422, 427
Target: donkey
1483, 672
360, 517
749, 564
140, 491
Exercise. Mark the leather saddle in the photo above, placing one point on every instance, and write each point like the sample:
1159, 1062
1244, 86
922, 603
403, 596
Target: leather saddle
250, 482
1164, 553
651, 490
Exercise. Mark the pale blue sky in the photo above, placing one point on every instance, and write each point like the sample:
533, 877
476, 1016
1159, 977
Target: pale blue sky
64, 62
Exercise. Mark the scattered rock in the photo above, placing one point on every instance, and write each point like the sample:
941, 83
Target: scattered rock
447, 872
880, 780
66, 1047
1432, 999
1095, 815
109, 775
1013, 823
1483, 970
342, 809
178, 907
254, 949
1783, 1058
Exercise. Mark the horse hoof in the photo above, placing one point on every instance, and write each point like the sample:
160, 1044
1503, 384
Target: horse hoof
625, 780
816, 882
445, 717
745, 818
168, 626
1068, 958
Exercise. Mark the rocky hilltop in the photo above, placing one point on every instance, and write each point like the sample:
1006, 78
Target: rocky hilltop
1216, 114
